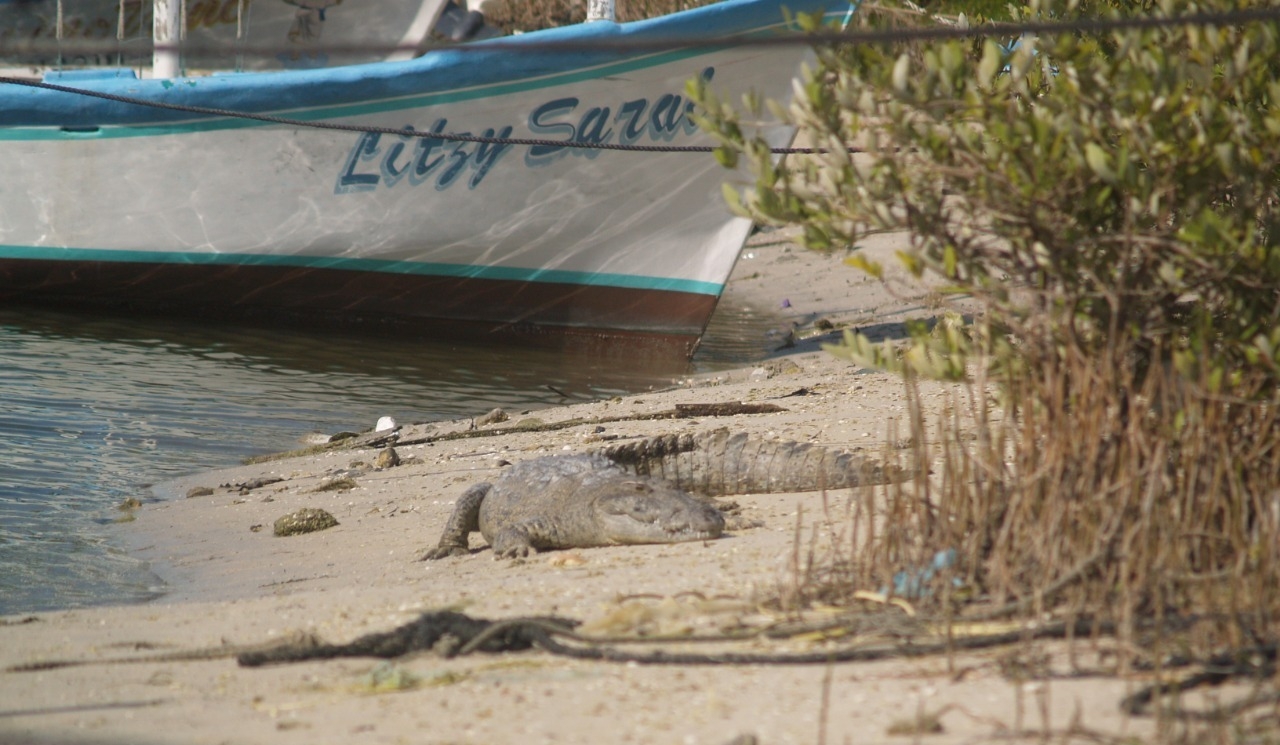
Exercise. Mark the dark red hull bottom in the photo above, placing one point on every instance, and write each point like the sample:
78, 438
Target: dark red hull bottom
663, 322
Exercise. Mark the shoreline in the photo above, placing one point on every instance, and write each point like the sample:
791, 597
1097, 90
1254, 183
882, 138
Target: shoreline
232, 584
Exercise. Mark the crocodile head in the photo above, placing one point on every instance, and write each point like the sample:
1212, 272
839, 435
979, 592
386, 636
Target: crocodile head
637, 511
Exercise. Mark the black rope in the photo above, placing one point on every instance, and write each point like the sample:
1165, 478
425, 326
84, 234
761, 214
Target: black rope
542, 638
1232, 18
1258, 663
818, 38
402, 132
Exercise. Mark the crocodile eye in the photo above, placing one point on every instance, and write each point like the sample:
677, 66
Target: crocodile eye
640, 486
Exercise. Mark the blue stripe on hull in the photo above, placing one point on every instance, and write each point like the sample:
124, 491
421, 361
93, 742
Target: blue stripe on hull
416, 268
357, 90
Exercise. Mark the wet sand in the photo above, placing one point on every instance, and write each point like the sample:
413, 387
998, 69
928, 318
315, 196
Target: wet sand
232, 582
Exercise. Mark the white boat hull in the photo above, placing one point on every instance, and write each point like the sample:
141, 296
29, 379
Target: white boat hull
243, 218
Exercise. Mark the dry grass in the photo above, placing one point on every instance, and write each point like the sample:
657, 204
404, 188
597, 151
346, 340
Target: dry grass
1094, 490
1133, 500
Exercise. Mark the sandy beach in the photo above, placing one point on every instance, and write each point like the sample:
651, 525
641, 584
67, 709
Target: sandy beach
230, 582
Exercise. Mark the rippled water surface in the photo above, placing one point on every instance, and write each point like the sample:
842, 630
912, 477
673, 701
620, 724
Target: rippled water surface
94, 409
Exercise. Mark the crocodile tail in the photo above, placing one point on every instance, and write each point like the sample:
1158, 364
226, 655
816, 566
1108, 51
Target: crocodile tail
722, 463
646, 457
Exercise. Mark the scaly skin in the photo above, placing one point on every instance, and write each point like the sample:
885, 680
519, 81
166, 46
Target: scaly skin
639, 492
718, 463
574, 501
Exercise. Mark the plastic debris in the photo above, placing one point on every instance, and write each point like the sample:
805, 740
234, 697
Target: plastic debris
915, 584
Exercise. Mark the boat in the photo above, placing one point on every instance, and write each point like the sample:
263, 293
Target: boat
303, 30
350, 199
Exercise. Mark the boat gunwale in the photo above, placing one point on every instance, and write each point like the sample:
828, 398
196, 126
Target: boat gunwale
438, 77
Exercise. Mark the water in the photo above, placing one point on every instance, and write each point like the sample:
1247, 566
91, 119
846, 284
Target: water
93, 409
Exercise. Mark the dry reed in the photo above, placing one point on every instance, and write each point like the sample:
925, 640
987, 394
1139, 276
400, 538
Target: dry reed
1099, 491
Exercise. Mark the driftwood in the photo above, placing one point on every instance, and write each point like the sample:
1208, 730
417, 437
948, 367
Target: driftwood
392, 437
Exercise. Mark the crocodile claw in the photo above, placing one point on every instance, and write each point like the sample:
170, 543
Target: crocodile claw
444, 552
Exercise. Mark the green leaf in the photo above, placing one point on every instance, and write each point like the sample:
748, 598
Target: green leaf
1092, 190
901, 69
1099, 162
726, 156
873, 268
732, 199
992, 59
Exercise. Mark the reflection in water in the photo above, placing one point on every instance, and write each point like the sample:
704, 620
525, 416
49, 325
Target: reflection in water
95, 408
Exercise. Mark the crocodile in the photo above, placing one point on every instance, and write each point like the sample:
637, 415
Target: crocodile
656, 490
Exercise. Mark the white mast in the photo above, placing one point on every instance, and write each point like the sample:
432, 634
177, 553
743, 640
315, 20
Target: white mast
600, 10
165, 30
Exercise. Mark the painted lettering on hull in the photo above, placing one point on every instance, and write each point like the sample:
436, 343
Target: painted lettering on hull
386, 161
418, 160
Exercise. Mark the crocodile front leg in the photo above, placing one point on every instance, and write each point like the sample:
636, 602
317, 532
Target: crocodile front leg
517, 541
464, 520
530, 536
